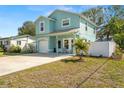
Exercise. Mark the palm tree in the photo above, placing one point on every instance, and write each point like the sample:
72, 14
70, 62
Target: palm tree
81, 47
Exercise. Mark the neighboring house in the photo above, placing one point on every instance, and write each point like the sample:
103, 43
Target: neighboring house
21, 41
56, 33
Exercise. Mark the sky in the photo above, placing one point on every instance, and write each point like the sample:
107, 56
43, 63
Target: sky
12, 17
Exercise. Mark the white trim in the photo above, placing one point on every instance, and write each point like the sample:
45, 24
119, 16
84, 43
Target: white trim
64, 20
69, 42
40, 26
41, 50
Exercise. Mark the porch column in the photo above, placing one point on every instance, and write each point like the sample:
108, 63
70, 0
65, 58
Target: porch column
57, 45
74, 49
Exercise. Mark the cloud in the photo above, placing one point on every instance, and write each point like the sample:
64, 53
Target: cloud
35, 8
67, 8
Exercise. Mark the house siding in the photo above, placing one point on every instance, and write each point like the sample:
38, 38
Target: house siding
52, 41
58, 16
37, 24
89, 34
51, 26
54, 24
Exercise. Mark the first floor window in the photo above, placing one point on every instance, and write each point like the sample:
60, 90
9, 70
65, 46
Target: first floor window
1, 42
66, 44
42, 26
6, 42
18, 42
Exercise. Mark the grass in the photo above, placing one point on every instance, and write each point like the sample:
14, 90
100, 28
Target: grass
90, 72
1, 54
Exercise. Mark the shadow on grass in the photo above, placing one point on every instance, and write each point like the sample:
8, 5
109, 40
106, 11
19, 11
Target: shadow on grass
73, 60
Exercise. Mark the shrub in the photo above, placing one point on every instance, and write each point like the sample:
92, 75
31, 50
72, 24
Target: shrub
30, 48
118, 50
119, 39
81, 47
1, 49
14, 49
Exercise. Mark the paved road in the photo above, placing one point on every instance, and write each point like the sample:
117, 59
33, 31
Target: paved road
10, 64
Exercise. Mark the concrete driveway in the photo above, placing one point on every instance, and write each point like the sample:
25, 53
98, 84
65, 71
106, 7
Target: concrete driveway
10, 64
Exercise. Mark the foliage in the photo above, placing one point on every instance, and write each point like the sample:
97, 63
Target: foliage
95, 15
14, 49
1, 49
117, 53
119, 39
114, 26
30, 48
28, 28
113, 11
81, 46
4, 48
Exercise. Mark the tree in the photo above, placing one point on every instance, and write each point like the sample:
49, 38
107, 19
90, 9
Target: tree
81, 45
113, 11
114, 26
28, 28
119, 39
95, 15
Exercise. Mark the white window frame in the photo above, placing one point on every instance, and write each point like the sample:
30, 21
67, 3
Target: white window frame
43, 26
64, 20
69, 42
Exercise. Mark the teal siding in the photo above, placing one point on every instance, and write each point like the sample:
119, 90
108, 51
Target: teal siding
52, 43
51, 26
89, 34
47, 28
75, 22
52, 40
58, 16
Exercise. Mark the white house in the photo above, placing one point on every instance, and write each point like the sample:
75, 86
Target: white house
17, 41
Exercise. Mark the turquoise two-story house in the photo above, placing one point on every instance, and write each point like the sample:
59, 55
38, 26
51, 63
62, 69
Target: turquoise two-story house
56, 33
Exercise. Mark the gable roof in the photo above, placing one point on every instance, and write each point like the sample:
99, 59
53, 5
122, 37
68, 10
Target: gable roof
45, 18
82, 16
16, 37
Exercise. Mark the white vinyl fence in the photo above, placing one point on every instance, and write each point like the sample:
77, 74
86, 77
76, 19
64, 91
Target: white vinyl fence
103, 48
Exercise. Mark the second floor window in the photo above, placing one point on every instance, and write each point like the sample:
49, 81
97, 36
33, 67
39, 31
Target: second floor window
65, 22
94, 31
86, 27
18, 42
41, 26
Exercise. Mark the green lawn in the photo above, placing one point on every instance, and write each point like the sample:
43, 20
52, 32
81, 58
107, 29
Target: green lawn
1, 54
93, 72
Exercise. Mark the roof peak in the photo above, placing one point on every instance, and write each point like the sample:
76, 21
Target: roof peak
82, 16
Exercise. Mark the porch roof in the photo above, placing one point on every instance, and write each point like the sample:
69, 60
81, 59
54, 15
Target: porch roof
63, 32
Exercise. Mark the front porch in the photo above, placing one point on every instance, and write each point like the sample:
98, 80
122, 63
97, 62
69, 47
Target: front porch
62, 43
